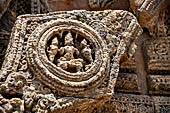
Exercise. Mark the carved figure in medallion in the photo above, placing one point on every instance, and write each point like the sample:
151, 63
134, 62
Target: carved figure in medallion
68, 61
53, 49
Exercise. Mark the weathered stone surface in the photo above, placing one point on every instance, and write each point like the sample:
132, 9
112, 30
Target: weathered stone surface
127, 82
162, 104
150, 13
157, 60
73, 54
126, 103
145, 71
11, 105
157, 51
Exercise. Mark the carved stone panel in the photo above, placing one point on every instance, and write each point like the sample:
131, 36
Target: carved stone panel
128, 103
158, 51
159, 84
162, 104
66, 61
127, 82
158, 64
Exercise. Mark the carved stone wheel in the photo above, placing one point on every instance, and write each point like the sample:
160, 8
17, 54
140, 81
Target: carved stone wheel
69, 36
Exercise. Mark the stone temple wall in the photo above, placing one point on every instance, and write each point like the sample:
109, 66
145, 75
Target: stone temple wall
85, 56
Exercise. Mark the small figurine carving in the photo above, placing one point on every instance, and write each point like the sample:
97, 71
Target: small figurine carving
86, 53
53, 49
68, 61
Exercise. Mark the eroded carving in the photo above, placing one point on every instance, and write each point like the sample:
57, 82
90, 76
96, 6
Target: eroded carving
14, 83
11, 105
157, 52
100, 4
128, 103
70, 56
152, 14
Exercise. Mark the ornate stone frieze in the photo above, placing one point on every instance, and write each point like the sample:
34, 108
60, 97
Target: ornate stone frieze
162, 104
30, 7
127, 103
127, 82
128, 79
157, 54
66, 61
157, 51
159, 84
100, 4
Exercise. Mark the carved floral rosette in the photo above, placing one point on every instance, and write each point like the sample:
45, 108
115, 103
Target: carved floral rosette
66, 59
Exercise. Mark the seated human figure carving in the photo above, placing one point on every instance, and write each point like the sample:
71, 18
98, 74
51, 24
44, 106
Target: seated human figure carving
68, 61
86, 53
53, 49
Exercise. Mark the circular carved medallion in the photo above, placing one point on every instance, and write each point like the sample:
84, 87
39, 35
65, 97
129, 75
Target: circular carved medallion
68, 56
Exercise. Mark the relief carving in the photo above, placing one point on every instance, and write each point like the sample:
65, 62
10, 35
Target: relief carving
11, 105
84, 61
157, 52
74, 63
